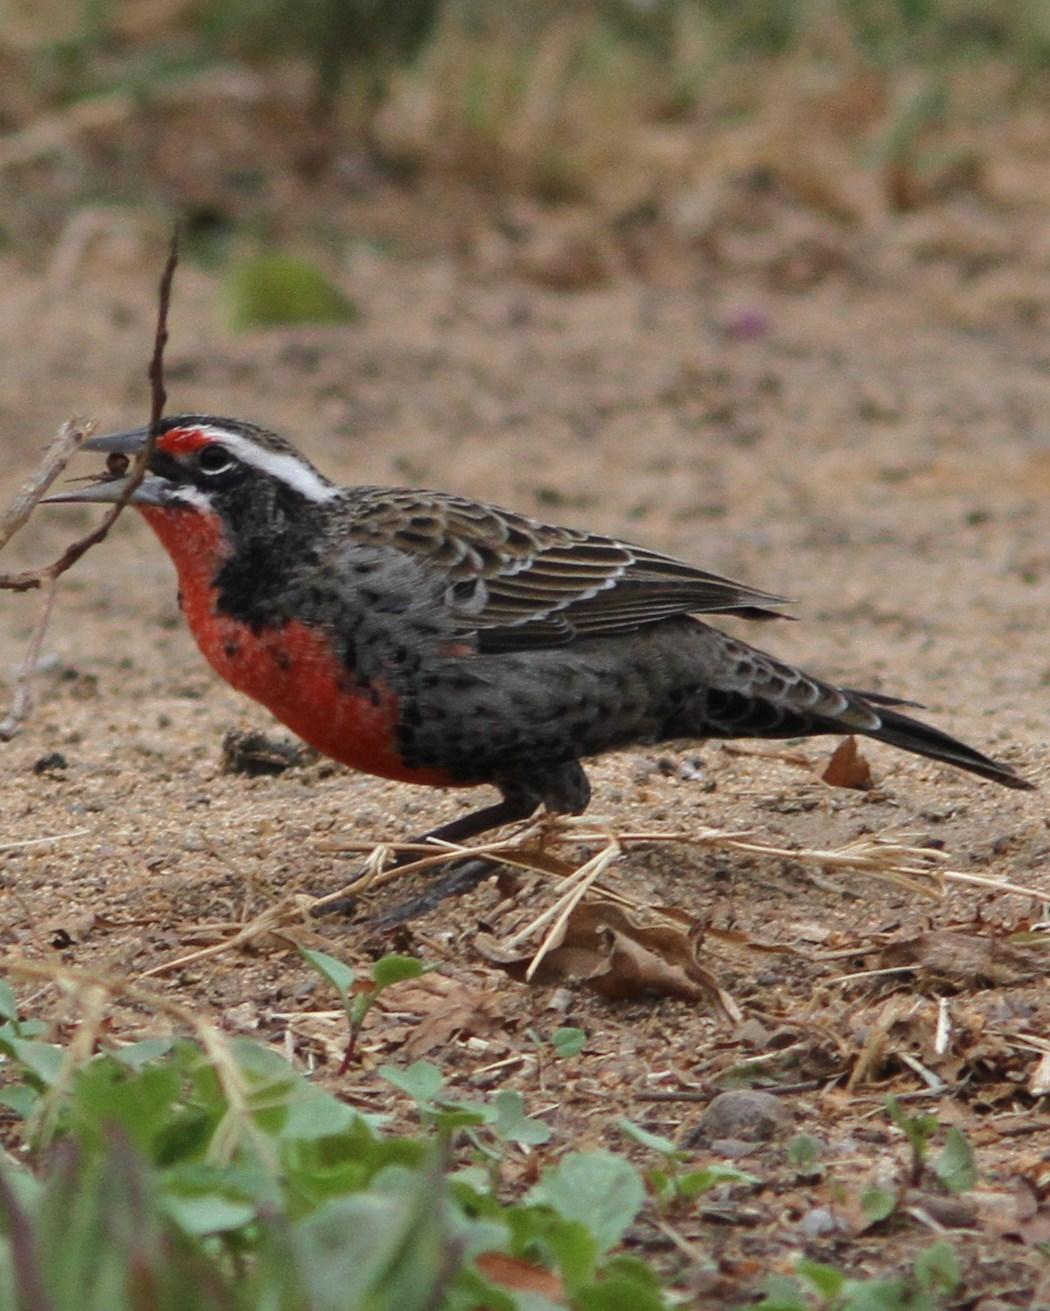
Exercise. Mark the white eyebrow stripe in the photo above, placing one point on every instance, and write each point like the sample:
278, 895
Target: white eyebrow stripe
306, 481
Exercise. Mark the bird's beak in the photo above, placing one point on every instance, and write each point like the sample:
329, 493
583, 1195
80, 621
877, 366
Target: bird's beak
109, 487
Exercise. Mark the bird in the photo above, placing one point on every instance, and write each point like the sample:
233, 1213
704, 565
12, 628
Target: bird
433, 639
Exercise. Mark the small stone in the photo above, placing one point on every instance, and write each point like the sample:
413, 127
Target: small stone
744, 1114
732, 1149
257, 753
54, 762
818, 1222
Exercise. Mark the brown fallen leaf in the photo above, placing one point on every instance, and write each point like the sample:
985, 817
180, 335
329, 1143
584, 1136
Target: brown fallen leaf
521, 1276
847, 768
601, 946
447, 1008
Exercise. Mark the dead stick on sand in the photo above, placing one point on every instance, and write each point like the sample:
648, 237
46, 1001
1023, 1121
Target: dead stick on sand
65, 444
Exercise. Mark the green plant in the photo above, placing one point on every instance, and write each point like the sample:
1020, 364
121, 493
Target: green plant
935, 1274
954, 1165
918, 1130
216, 1177
358, 997
668, 1183
502, 1120
271, 289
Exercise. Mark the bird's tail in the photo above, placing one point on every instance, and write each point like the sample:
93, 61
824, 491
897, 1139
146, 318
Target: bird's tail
747, 693
924, 740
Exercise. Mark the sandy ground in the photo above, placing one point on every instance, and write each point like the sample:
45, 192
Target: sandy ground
872, 447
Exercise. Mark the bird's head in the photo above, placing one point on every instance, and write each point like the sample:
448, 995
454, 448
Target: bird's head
208, 466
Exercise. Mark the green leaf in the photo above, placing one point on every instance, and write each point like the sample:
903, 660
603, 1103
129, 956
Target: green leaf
144, 1052
44, 1059
568, 1041
602, 1191
385, 1250
317, 1114
617, 1293
955, 1165
828, 1281
270, 289
340, 975
513, 1124
8, 1002
654, 1141
624, 1284
395, 969
107, 1092
701, 1181
208, 1213
572, 1247
783, 1294
20, 1098
918, 1129
883, 1295
450, 1116
804, 1152
634, 1269
937, 1270
877, 1203
422, 1081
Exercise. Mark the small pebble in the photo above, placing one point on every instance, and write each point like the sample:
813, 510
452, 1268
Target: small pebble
743, 1114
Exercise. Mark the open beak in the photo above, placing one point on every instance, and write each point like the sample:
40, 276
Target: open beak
108, 487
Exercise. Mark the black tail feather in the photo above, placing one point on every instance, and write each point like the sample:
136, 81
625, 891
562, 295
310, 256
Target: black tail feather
922, 739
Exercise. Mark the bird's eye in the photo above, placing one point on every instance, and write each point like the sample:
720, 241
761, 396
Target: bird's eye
215, 459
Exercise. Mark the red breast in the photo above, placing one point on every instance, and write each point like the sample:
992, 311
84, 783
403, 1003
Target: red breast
291, 668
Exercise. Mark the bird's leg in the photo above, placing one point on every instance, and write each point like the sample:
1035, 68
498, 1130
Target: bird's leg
461, 873
515, 805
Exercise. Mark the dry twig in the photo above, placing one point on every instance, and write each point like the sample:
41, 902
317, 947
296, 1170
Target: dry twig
918, 869
69, 438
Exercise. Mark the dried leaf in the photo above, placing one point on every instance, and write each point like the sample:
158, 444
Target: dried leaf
447, 1008
847, 768
602, 946
521, 1276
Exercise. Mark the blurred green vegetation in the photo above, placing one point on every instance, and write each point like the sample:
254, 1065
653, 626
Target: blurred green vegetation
231, 111
80, 47
272, 288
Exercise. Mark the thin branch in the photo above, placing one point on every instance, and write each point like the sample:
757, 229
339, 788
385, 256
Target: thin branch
64, 445
22, 701
32, 578
68, 440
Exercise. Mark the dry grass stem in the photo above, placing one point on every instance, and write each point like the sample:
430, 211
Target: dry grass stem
270, 921
917, 869
37, 842
943, 1035
582, 882
70, 437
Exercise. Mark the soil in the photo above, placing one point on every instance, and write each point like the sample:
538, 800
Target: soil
872, 443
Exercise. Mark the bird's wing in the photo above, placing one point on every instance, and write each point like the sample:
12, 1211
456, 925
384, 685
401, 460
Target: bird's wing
518, 583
